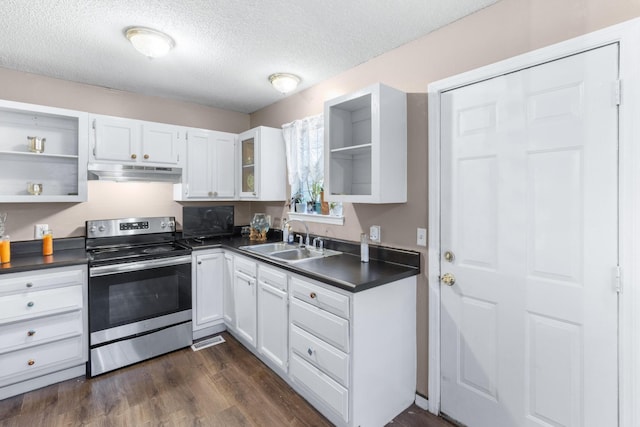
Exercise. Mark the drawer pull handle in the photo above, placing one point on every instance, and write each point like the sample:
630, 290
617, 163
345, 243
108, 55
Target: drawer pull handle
29, 285
146, 156
31, 362
313, 295
310, 351
30, 304
31, 333
133, 156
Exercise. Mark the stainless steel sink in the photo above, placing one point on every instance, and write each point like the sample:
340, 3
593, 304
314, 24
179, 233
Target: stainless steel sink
289, 253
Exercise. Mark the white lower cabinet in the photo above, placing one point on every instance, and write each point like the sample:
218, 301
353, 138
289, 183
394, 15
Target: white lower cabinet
207, 292
228, 306
273, 319
245, 295
43, 325
352, 355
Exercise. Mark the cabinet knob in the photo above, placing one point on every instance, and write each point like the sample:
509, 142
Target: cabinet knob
210, 193
31, 333
30, 304
133, 156
254, 193
313, 295
31, 362
199, 262
29, 285
146, 156
215, 194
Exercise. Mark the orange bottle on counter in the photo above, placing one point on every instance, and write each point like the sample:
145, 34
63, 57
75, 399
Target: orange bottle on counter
5, 250
47, 243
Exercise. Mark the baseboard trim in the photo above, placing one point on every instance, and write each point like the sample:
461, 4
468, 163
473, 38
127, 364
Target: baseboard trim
422, 402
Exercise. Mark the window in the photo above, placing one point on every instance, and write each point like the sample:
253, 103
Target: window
304, 147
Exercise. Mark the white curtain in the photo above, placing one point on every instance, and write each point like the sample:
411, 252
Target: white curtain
304, 145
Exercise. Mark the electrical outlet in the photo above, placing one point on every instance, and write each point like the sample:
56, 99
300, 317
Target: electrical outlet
422, 237
374, 233
39, 230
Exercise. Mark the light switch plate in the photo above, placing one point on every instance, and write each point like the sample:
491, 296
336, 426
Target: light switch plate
374, 233
39, 230
422, 237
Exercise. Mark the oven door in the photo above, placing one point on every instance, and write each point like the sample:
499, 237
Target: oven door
137, 297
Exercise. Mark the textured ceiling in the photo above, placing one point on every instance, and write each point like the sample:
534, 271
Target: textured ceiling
225, 49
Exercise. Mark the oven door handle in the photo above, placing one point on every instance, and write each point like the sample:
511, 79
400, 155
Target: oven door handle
137, 266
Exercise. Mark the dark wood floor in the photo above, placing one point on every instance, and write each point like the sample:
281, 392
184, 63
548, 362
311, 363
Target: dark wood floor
223, 385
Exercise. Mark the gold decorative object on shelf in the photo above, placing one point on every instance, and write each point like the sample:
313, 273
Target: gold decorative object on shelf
259, 227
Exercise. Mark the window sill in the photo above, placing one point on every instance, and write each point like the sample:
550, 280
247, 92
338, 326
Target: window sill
322, 219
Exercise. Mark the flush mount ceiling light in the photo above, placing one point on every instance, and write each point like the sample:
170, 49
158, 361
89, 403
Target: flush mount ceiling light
284, 82
150, 43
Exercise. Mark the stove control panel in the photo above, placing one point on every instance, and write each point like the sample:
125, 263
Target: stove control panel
142, 225
129, 226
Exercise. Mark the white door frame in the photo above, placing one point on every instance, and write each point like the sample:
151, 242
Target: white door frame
627, 35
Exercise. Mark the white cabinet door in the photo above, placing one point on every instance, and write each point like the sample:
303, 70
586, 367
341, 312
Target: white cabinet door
199, 171
207, 298
273, 316
210, 170
116, 139
128, 141
262, 164
245, 296
228, 308
224, 161
159, 143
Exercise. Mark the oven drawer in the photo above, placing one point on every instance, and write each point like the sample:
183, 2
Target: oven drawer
27, 333
30, 282
326, 299
320, 386
42, 359
320, 354
324, 325
35, 304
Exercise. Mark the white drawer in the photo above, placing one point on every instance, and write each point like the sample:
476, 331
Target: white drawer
333, 362
31, 332
326, 299
321, 386
39, 360
324, 325
274, 278
28, 282
245, 266
42, 303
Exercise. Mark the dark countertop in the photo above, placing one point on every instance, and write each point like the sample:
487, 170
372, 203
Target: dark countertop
27, 256
344, 271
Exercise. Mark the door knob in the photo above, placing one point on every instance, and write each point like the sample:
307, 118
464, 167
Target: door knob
448, 279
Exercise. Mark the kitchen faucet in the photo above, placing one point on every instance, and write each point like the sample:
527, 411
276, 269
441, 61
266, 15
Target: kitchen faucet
306, 227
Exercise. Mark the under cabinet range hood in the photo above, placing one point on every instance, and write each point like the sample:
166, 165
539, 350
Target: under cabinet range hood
122, 173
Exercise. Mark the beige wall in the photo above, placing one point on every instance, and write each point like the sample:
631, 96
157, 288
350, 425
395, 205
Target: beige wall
506, 29
107, 199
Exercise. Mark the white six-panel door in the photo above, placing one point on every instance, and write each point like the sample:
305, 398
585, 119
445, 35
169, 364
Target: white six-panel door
529, 211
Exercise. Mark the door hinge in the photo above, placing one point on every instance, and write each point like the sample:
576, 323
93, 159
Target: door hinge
618, 279
617, 89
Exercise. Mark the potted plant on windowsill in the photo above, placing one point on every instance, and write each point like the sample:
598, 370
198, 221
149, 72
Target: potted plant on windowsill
314, 192
296, 203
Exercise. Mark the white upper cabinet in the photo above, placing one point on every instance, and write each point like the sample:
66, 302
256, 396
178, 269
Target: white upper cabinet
127, 141
262, 171
210, 171
58, 171
366, 146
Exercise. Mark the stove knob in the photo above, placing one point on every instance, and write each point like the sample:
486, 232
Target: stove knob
92, 229
163, 224
101, 228
172, 224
